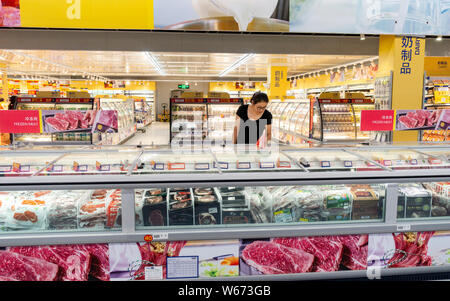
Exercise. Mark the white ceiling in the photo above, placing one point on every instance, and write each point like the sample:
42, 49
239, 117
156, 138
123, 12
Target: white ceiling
135, 64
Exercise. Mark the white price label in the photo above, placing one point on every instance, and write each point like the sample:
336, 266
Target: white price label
154, 273
404, 227
161, 236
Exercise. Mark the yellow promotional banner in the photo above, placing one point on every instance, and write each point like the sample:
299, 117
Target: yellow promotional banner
408, 74
278, 82
101, 14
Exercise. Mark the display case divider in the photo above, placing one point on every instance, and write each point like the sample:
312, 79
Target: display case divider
390, 204
128, 211
135, 162
49, 164
432, 156
215, 160
366, 159
295, 161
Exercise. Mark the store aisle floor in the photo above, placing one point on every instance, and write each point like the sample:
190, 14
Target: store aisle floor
157, 133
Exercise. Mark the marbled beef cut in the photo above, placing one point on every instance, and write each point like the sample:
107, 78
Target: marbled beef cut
327, 253
25, 268
74, 264
273, 258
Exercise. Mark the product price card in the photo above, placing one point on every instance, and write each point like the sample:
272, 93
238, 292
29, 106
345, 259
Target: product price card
5, 168
182, 267
348, 163
243, 165
201, 166
222, 165
267, 165
154, 273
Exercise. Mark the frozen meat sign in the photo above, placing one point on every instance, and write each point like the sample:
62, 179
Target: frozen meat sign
403, 120
17, 122
53, 121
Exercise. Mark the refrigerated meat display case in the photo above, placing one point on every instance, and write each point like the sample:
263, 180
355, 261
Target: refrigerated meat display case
203, 120
324, 120
124, 194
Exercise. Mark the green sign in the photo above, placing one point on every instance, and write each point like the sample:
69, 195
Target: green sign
183, 86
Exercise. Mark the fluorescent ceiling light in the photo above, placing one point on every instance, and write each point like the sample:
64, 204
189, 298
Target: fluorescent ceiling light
152, 59
238, 63
439, 38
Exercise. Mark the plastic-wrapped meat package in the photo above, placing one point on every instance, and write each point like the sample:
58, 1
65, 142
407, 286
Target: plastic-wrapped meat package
139, 204
299, 205
260, 204
26, 212
63, 210
92, 211
113, 209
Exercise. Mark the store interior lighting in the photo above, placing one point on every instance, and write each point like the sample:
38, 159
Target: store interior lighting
237, 64
439, 38
363, 37
152, 59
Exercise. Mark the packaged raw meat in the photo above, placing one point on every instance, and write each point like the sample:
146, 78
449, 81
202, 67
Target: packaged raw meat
207, 206
154, 209
63, 209
27, 213
92, 211
113, 207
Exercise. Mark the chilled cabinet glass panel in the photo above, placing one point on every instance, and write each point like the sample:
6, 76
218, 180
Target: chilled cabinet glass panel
251, 161
357, 108
326, 160
221, 121
337, 122
24, 164
176, 162
60, 210
424, 200
239, 206
188, 122
402, 159
113, 162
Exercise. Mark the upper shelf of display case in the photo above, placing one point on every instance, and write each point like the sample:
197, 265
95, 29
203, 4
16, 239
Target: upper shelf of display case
144, 165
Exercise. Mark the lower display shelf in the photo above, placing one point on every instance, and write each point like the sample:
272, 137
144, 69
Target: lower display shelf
372, 256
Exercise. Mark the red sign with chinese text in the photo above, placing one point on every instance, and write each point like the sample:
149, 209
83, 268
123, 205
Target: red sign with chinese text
20, 121
377, 120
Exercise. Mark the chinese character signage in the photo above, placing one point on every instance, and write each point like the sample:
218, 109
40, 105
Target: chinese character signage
377, 120
35, 121
25, 121
403, 120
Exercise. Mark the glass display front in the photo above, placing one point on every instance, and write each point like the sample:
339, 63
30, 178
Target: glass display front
60, 210
337, 122
221, 121
246, 205
188, 122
